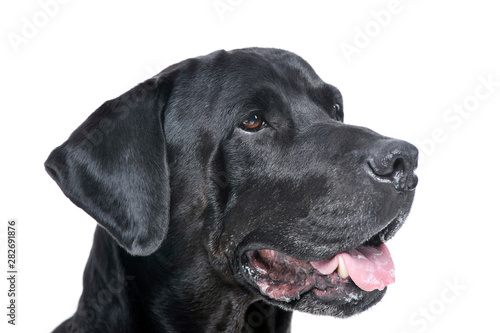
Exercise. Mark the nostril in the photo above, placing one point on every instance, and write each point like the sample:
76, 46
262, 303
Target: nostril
398, 168
394, 165
388, 170
394, 173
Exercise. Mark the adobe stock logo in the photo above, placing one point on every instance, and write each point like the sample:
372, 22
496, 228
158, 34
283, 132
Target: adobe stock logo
421, 319
222, 7
363, 36
454, 117
33, 24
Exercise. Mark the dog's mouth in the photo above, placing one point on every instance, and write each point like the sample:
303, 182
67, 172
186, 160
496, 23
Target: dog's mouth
284, 278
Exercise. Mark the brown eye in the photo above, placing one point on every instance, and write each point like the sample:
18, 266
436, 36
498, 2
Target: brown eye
253, 123
337, 112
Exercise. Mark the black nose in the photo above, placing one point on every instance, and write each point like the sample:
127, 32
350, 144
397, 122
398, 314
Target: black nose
394, 161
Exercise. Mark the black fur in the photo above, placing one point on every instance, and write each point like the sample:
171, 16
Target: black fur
181, 191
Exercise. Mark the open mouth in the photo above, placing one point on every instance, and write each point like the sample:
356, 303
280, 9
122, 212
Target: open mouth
284, 278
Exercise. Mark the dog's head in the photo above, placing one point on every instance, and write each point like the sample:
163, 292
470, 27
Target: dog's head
247, 152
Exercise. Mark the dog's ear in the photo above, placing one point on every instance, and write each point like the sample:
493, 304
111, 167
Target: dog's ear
114, 166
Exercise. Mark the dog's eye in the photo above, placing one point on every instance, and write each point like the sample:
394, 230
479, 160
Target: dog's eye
253, 123
337, 112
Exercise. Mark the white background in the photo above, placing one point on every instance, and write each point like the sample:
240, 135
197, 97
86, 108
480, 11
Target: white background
410, 68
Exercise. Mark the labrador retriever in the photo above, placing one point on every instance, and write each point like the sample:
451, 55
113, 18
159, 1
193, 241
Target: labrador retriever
229, 192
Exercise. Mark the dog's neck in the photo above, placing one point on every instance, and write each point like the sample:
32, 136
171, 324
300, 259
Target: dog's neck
117, 285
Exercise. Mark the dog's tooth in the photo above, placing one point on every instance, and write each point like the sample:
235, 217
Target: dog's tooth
342, 269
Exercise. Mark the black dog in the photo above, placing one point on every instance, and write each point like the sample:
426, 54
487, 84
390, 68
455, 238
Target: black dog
229, 192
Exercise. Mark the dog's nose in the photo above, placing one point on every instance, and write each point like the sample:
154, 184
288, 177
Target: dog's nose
394, 161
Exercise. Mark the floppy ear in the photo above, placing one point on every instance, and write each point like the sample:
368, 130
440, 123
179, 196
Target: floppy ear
114, 166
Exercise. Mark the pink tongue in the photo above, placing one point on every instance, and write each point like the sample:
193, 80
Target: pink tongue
369, 267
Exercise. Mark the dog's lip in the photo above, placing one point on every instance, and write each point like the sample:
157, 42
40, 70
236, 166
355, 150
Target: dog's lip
284, 278
337, 282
